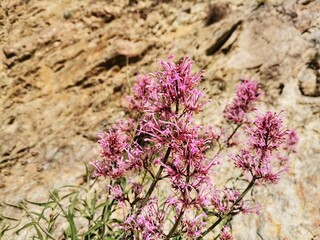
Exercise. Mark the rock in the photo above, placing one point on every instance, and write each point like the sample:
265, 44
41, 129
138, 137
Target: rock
9, 52
130, 49
308, 82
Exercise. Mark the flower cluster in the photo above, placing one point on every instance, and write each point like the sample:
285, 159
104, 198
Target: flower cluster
118, 154
265, 137
164, 92
225, 201
165, 144
267, 134
247, 93
291, 141
225, 234
149, 222
191, 227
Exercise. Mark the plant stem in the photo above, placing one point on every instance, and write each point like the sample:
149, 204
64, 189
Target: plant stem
227, 222
211, 227
232, 134
243, 194
155, 180
176, 224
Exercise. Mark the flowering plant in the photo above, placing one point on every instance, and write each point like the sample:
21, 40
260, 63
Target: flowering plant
162, 181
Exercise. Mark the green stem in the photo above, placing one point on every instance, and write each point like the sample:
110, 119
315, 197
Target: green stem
232, 134
244, 193
155, 181
175, 226
211, 227
227, 222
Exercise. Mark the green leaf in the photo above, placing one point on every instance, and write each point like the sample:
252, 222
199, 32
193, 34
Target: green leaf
70, 218
38, 232
24, 227
40, 215
52, 221
14, 206
92, 229
73, 186
101, 205
123, 183
114, 220
67, 232
4, 229
8, 218
40, 203
68, 195
55, 195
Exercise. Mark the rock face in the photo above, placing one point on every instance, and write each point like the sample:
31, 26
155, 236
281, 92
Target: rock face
67, 65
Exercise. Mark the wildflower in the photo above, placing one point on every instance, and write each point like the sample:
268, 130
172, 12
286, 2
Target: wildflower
145, 93
265, 137
166, 143
136, 188
225, 201
212, 133
267, 134
149, 222
192, 226
291, 141
113, 145
247, 93
116, 193
118, 151
225, 234
164, 92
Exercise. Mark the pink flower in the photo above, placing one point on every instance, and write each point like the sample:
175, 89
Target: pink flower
118, 154
225, 234
136, 188
117, 194
224, 201
265, 137
165, 91
113, 143
193, 226
291, 141
247, 93
212, 133
145, 91
268, 133
261, 167
149, 222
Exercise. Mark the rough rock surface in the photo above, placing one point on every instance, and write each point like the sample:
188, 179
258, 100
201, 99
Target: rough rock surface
67, 65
